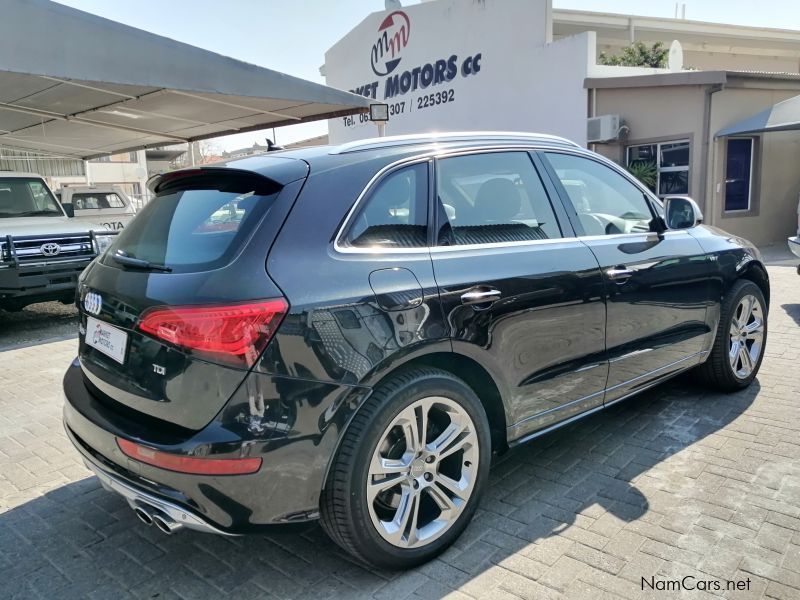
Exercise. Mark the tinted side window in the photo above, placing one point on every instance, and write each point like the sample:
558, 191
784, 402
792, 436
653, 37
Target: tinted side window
96, 201
492, 198
606, 202
395, 215
86, 201
114, 201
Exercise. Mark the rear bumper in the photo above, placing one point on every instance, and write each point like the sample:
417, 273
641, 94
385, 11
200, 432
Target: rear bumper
284, 491
138, 498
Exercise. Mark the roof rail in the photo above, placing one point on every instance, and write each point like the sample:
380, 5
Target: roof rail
460, 136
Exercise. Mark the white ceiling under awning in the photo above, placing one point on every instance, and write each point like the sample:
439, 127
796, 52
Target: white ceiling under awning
78, 85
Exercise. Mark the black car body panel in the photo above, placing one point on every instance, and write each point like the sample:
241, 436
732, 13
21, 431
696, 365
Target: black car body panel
157, 379
297, 430
559, 341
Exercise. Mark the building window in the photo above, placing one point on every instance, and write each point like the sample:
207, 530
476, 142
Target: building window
738, 174
667, 164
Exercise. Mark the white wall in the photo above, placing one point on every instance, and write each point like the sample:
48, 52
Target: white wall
522, 84
552, 97
120, 172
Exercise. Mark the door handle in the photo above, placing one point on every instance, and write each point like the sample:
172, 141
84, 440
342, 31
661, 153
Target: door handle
620, 273
481, 296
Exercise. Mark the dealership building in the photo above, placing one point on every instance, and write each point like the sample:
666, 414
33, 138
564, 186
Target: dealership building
720, 124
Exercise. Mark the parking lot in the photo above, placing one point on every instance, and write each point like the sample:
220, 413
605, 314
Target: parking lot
678, 482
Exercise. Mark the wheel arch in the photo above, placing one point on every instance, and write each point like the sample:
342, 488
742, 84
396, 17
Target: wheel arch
756, 272
482, 383
475, 375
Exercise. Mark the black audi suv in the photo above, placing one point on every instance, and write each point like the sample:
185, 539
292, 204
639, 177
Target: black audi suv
350, 333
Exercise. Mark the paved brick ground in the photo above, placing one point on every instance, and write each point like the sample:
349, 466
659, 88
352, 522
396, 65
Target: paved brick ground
679, 482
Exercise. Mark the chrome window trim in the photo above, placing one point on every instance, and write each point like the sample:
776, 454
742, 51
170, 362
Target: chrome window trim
441, 153
371, 184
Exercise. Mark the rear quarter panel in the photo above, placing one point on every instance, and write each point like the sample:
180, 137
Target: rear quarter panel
336, 330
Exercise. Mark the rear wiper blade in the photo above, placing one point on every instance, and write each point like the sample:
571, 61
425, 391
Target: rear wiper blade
139, 263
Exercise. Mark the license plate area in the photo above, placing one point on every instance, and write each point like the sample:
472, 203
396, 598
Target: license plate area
105, 338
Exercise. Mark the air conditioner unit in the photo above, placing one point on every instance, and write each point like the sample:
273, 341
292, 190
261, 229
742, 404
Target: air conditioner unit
604, 128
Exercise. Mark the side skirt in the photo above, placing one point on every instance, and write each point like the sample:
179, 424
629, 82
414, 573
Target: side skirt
692, 361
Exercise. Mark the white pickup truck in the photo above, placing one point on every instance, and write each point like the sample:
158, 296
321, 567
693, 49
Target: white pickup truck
42, 250
103, 206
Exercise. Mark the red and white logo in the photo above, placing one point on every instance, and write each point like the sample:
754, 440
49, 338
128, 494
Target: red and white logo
393, 36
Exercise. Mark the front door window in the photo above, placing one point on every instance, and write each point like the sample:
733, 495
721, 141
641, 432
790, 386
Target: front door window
607, 203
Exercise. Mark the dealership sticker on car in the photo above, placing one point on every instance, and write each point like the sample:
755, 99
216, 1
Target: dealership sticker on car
107, 339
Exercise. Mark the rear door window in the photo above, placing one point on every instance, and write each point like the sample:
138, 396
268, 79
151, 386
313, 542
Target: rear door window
199, 228
492, 198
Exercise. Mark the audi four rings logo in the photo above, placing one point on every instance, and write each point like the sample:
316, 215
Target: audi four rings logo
93, 303
50, 249
392, 38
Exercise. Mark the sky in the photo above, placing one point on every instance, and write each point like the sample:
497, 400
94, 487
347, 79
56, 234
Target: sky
292, 36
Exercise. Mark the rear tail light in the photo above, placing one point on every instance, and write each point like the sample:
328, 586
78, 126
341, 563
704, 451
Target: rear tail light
233, 333
188, 464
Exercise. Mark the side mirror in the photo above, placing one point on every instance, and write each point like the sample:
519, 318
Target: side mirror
681, 212
69, 209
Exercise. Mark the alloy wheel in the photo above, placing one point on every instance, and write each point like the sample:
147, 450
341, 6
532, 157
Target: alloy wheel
746, 336
423, 472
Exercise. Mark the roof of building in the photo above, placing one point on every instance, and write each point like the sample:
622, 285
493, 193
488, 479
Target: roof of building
116, 91
685, 78
694, 35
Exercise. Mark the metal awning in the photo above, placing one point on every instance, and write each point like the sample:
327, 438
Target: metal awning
783, 116
78, 85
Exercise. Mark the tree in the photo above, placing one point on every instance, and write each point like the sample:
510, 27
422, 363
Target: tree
645, 171
207, 151
638, 54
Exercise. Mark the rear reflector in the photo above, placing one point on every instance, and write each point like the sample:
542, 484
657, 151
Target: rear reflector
233, 333
189, 464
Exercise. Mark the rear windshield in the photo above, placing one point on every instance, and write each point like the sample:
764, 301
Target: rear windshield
196, 229
21, 197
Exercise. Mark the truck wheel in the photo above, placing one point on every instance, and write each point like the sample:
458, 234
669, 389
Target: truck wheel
410, 470
740, 340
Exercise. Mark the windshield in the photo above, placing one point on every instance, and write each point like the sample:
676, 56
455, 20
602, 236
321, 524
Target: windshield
26, 197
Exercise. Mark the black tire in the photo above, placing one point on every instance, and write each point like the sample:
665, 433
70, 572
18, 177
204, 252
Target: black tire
717, 371
344, 507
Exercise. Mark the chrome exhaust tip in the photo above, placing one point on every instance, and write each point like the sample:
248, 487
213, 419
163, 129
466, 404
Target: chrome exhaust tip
143, 515
165, 524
